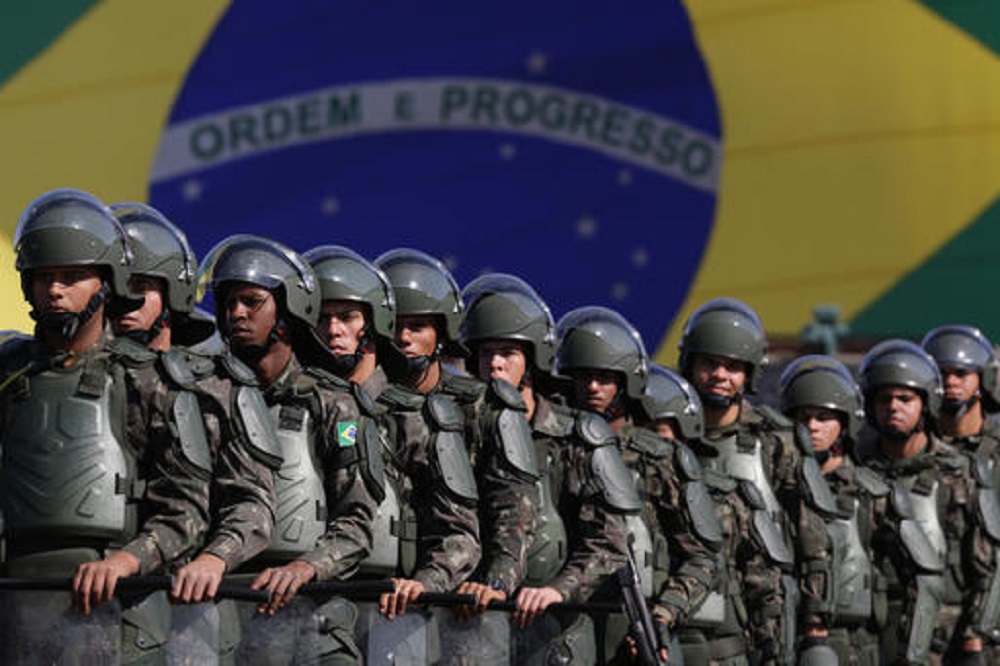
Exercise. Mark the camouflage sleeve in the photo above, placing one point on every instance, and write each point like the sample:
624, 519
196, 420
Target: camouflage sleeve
813, 549
693, 562
599, 536
242, 493
508, 509
350, 505
175, 505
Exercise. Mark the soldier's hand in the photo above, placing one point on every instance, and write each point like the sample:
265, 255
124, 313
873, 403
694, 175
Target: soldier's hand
484, 595
396, 603
198, 580
282, 583
94, 582
532, 602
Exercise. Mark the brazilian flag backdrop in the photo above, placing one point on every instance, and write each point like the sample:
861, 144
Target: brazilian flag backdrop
645, 157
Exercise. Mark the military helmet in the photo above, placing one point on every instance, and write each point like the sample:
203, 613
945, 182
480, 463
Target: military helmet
161, 250
595, 337
504, 307
265, 263
823, 381
345, 275
901, 363
958, 346
725, 327
423, 286
69, 227
670, 396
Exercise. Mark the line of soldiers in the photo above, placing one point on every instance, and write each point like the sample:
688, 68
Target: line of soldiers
329, 432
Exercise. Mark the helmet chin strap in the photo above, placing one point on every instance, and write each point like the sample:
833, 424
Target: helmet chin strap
66, 325
719, 401
897, 436
147, 335
617, 409
958, 408
836, 449
254, 353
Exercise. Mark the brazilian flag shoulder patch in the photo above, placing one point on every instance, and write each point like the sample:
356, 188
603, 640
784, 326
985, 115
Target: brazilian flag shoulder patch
347, 433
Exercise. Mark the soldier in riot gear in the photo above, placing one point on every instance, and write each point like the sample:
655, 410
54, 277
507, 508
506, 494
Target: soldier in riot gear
717, 630
511, 334
819, 393
722, 350
678, 534
66, 391
945, 596
497, 435
163, 271
330, 483
969, 370
358, 315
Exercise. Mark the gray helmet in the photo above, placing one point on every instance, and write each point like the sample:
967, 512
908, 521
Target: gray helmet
670, 396
823, 381
505, 307
69, 227
423, 286
901, 363
725, 327
958, 346
265, 263
345, 275
595, 337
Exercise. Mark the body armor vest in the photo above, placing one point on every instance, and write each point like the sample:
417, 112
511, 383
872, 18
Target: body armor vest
300, 506
64, 471
746, 464
926, 513
548, 549
852, 571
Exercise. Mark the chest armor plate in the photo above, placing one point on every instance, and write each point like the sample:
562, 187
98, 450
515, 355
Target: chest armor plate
385, 535
64, 472
926, 510
746, 465
547, 552
300, 509
642, 545
852, 570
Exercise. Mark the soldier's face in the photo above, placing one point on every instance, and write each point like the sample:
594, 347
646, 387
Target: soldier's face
64, 288
595, 389
416, 335
960, 384
341, 326
153, 289
502, 359
823, 425
665, 428
897, 408
251, 313
718, 375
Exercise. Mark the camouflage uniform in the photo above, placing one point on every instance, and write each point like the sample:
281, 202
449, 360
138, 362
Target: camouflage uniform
772, 617
166, 492
949, 480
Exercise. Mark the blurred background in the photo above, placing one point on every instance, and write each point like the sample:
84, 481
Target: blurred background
833, 163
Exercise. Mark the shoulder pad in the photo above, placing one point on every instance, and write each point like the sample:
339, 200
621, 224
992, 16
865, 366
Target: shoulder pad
508, 395
701, 509
259, 426
131, 351
870, 481
989, 511
237, 369
465, 389
326, 378
201, 366
454, 466
616, 483
175, 365
804, 440
752, 495
593, 430
649, 443
395, 397
364, 400
817, 489
985, 471
773, 418
191, 431
516, 442
444, 413
16, 346
687, 462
